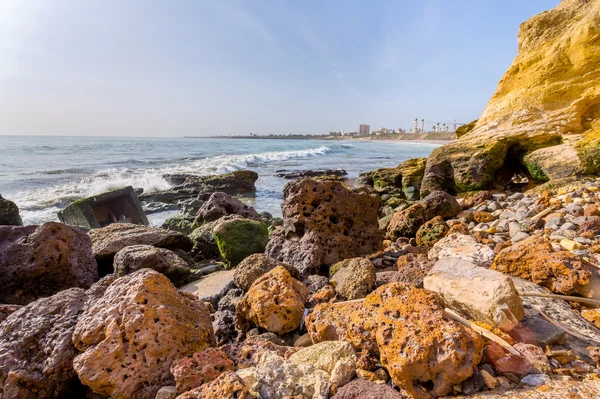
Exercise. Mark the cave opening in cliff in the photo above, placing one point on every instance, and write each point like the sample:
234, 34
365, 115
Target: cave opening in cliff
513, 173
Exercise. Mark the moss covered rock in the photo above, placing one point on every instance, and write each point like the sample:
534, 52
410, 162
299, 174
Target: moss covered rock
464, 129
181, 223
239, 238
431, 232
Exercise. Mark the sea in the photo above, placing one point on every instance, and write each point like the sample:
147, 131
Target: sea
42, 175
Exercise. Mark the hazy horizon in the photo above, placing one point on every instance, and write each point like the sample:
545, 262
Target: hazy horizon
198, 68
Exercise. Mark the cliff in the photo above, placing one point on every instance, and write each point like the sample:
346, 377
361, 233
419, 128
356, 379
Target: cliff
544, 118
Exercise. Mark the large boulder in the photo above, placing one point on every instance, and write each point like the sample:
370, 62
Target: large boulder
220, 204
36, 349
238, 238
423, 352
356, 280
561, 272
137, 257
109, 240
39, 261
254, 266
9, 213
275, 302
539, 103
325, 222
406, 176
129, 338
485, 295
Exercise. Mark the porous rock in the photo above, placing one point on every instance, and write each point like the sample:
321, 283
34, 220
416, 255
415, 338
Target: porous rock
325, 355
365, 389
431, 232
39, 261
464, 247
254, 266
325, 222
274, 302
192, 371
329, 322
412, 268
228, 385
130, 337
220, 204
355, 280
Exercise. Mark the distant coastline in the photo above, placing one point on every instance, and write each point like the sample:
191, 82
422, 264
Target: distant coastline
433, 137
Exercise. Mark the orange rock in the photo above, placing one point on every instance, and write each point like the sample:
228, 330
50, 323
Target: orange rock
275, 302
228, 385
591, 210
483, 217
459, 227
200, 368
592, 315
247, 353
323, 295
328, 321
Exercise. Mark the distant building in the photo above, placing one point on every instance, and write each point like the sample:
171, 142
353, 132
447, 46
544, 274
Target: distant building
364, 129
383, 130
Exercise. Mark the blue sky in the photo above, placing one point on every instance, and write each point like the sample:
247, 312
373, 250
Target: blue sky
200, 67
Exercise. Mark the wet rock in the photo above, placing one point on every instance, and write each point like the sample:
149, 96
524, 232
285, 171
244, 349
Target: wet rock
364, 389
137, 257
204, 243
274, 302
536, 260
212, 287
39, 261
431, 232
130, 337
463, 247
412, 268
329, 322
325, 222
254, 266
109, 240
398, 316
9, 213
275, 377
355, 280
227, 386
220, 204
239, 238
36, 349
192, 371
485, 295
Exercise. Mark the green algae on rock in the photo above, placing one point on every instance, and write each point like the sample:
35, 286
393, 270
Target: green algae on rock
238, 238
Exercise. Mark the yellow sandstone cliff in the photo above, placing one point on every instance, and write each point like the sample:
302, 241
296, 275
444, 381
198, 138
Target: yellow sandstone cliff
544, 118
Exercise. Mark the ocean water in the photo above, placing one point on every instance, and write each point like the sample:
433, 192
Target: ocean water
45, 174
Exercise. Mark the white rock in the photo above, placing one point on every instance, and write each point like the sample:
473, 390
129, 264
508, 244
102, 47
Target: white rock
535, 380
464, 247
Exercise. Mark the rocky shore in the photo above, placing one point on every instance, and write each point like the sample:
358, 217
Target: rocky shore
472, 273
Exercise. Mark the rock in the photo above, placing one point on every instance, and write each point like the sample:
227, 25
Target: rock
202, 367
180, 223
535, 380
536, 330
591, 226
519, 236
130, 337
325, 355
535, 355
484, 295
314, 283
355, 280
239, 238
212, 287
275, 377
588, 210
230, 299
36, 350
325, 222
570, 245
413, 268
534, 259
537, 105
342, 373
247, 353
39, 261
483, 217
463, 247
7, 310
9, 213
117, 206
109, 240
592, 315
220, 204
167, 392
204, 243
300, 174
227, 386
406, 176
224, 327
432, 231
274, 302
136, 257
505, 363
364, 389
329, 322
254, 266
442, 204
190, 186
441, 353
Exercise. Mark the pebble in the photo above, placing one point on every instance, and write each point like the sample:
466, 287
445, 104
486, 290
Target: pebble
535, 380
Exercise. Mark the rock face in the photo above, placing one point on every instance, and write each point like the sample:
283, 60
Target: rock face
137, 257
416, 343
109, 240
324, 222
485, 295
254, 266
534, 259
549, 96
355, 280
9, 213
200, 368
220, 204
274, 302
39, 261
239, 238
130, 337
36, 349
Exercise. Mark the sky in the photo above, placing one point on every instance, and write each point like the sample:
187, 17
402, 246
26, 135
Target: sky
211, 67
